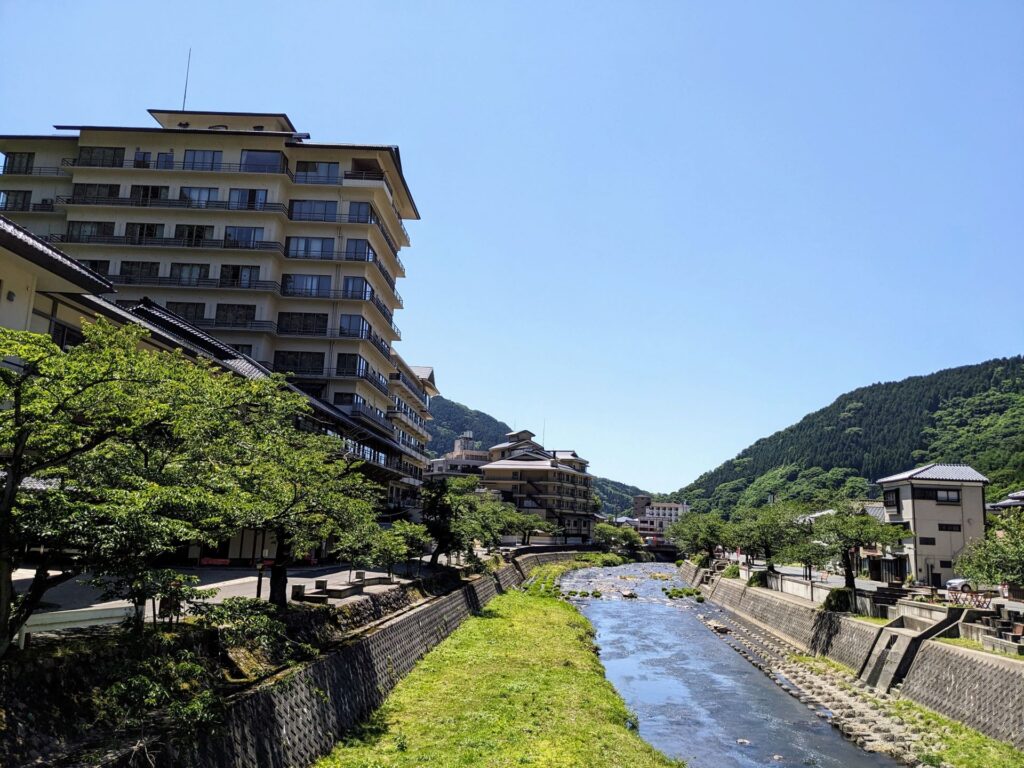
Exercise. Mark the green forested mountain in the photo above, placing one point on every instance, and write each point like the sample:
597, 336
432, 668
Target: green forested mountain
972, 414
451, 419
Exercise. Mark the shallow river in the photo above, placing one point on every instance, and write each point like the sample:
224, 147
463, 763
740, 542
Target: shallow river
696, 697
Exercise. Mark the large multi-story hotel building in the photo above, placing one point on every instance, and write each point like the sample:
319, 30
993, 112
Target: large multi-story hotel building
553, 485
283, 248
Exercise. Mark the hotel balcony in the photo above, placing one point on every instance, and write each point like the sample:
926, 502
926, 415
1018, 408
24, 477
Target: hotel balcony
411, 386
169, 242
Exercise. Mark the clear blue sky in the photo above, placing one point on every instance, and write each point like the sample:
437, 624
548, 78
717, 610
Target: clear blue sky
659, 231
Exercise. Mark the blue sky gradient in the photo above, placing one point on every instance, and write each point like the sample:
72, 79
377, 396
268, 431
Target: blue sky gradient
654, 231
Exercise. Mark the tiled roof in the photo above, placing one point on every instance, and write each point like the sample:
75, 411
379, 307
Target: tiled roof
950, 472
36, 250
877, 510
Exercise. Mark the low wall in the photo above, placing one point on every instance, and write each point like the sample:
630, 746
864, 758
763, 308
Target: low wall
689, 572
800, 621
979, 689
297, 719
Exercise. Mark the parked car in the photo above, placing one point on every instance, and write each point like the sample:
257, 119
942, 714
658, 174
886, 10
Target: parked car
959, 585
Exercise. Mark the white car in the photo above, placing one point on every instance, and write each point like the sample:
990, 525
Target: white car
958, 585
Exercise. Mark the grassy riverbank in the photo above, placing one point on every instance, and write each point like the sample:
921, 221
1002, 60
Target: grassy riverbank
518, 685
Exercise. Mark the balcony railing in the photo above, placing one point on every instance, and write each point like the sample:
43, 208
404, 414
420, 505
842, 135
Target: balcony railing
372, 217
318, 372
409, 385
414, 422
36, 170
213, 166
245, 325
157, 202
170, 242
369, 414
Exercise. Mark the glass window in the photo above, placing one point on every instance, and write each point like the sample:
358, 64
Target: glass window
247, 199
351, 365
189, 274
354, 326
359, 212
309, 323
239, 275
926, 541
306, 285
19, 162
950, 527
262, 161
245, 349
198, 197
202, 159
193, 234
165, 160
189, 310
142, 159
235, 314
140, 269
102, 266
64, 336
137, 232
105, 157
348, 398
299, 362
96, 191
356, 288
359, 250
146, 192
16, 200
242, 237
81, 231
313, 210
310, 247
316, 172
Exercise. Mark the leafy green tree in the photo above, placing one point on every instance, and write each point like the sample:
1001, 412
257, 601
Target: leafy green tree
630, 540
415, 537
389, 547
607, 536
699, 532
106, 456
850, 528
525, 525
999, 556
355, 544
457, 515
766, 531
304, 489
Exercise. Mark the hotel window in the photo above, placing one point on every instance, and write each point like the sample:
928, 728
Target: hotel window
101, 266
84, 230
189, 274
164, 160
16, 200
198, 197
891, 498
64, 336
940, 495
310, 247
140, 269
96, 191
136, 232
202, 159
316, 172
306, 323
245, 349
348, 398
193, 234
351, 365
19, 162
353, 326
356, 288
239, 275
359, 212
142, 159
262, 161
247, 199
235, 314
950, 527
926, 541
143, 192
299, 362
189, 310
313, 210
242, 236
359, 250
306, 285
101, 157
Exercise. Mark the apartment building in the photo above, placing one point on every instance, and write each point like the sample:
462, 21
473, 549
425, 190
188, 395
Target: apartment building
942, 507
554, 485
462, 461
285, 249
656, 517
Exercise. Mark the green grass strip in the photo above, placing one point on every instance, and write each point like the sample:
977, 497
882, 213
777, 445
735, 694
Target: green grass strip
519, 685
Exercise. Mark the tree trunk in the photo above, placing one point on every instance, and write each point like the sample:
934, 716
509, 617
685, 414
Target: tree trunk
848, 574
436, 555
7, 632
279, 572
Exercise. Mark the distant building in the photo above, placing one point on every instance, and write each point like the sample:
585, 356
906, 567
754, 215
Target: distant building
653, 518
640, 503
553, 485
942, 506
462, 461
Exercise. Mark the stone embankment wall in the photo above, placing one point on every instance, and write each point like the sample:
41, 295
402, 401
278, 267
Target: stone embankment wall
983, 690
978, 689
298, 718
824, 633
691, 574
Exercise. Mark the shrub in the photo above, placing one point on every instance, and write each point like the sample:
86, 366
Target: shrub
758, 579
703, 560
679, 563
699, 598
732, 571
839, 600
596, 593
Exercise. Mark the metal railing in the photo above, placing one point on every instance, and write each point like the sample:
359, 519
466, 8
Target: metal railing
321, 372
212, 166
169, 242
166, 202
412, 387
365, 412
36, 170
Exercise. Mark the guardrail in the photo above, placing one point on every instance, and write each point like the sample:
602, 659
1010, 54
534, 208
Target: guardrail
53, 621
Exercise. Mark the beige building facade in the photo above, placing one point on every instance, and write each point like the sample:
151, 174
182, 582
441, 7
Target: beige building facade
285, 249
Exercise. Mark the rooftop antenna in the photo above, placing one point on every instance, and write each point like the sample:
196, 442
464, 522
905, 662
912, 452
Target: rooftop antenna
188, 66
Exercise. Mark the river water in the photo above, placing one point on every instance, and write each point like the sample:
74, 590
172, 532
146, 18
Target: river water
695, 697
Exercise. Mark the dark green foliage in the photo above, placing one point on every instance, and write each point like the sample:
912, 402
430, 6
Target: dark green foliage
451, 419
972, 414
839, 600
732, 571
758, 579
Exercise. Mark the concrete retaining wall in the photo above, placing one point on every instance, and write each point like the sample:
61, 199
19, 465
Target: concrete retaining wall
689, 572
299, 718
979, 689
799, 621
